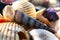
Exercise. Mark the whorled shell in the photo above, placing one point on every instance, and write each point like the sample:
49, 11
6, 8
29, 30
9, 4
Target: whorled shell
26, 7
8, 13
41, 34
40, 17
24, 19
12, 31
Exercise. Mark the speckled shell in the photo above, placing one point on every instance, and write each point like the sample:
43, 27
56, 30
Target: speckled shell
26, 7
41, 34
9, 31
8, 13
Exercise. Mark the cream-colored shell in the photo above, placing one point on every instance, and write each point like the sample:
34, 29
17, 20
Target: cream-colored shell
26, 7
8, 13
41, 34
9, 31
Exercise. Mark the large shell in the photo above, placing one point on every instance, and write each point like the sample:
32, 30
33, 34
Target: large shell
26, 7
8, 13
41, 34
28, 21
12, 31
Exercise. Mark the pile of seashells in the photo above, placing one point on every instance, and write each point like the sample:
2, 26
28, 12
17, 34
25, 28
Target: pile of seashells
27, 20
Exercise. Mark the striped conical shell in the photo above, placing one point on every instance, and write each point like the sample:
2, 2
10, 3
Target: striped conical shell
26, 7
10, 30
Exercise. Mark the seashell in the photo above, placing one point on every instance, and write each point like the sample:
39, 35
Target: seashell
41, 34
51, 14
26, 7
56, 25
41, 18
7, 1
52, 3
8, 13
12, 31
28, 21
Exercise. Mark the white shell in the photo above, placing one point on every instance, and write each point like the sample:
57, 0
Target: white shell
41, 34
9, 31
8, 13
26, 7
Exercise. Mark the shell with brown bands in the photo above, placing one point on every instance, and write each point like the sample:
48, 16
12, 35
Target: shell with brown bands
20, 17
26, 7
12, 31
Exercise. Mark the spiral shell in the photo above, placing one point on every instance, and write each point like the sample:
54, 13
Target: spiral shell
8, 13
12, 31
28, 21
26, 7
41, 34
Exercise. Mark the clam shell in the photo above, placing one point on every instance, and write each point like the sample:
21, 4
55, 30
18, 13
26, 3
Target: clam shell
41, 34
26, 7
12, 31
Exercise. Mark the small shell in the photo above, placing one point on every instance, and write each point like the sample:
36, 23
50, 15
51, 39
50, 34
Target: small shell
8, 13
26, 7
12, 31
40, 17
41, 34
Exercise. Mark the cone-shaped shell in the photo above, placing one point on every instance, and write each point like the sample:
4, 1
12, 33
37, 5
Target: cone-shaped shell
26, 7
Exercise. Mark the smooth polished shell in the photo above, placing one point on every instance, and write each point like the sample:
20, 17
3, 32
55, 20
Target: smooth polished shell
41, 34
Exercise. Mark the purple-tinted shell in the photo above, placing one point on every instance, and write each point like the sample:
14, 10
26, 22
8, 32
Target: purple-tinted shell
50, 14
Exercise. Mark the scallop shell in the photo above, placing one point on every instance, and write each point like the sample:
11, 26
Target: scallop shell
8, 13
41, 34
12, 31
26, 7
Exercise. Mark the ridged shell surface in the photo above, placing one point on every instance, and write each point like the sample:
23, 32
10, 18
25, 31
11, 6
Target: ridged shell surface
26, 7
9, 31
